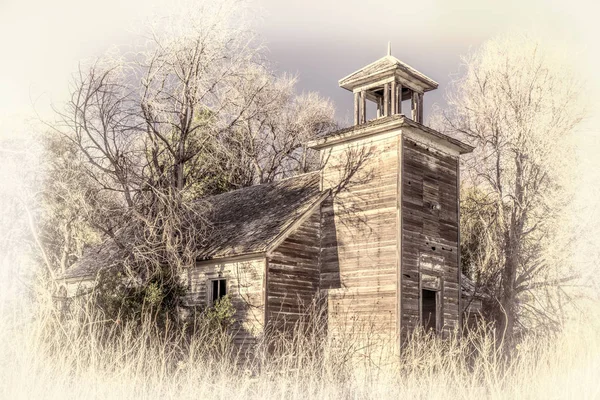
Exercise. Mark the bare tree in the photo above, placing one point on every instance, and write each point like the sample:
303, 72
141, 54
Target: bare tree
195, 111
269, 141
68, 197
518, 103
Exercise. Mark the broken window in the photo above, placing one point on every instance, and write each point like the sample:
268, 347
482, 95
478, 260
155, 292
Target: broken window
218, 290
429, 310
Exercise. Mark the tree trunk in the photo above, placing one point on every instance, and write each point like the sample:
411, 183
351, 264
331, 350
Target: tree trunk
507, 301
512, 252
179, 166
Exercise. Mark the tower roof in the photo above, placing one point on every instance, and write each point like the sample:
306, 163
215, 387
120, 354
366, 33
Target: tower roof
388, 67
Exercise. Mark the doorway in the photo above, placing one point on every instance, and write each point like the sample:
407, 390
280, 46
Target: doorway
429, 310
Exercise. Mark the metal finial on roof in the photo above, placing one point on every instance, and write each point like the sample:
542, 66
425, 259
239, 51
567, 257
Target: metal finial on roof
389, 48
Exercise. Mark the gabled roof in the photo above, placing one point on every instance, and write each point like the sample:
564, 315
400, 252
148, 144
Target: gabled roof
382, 67
248, 220
243, 221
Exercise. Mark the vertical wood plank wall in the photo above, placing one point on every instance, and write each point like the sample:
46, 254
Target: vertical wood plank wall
430, 236
293, 274
359, 239
245, 288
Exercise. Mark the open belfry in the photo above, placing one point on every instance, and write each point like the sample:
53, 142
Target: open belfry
372, 237
388, 82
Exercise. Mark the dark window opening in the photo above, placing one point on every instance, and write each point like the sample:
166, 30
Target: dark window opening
429, 310
219, 289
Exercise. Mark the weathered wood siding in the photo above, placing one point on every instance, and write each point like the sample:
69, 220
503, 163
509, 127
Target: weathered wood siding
429, 236
359, 259
245, 287
293, 274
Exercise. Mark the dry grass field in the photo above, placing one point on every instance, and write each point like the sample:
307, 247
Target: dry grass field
44, 358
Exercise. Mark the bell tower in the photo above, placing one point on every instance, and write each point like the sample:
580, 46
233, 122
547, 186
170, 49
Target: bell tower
388, 82
390, 250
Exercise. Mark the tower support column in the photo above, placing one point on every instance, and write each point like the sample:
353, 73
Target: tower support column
420, 108
363, 107
394, 96
386, 99
356, 108
399, 98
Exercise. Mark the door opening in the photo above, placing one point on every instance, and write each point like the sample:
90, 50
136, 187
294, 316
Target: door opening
429, 310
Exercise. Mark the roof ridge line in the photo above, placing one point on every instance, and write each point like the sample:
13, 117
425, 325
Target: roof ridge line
257, 185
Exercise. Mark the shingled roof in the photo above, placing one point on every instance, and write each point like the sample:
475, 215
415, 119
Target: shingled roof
243, 221
469, 289
250, 219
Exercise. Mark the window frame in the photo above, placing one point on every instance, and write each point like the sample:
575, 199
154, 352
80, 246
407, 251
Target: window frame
211, 282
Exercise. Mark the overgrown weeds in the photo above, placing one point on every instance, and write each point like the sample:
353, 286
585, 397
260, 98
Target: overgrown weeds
45, 356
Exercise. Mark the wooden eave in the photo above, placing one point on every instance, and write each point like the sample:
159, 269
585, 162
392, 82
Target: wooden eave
250, 256
77, 279
382, 125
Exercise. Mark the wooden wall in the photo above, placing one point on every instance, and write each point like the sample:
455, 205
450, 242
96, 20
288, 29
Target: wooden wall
293, 274
245, 288
359, 259
429, 236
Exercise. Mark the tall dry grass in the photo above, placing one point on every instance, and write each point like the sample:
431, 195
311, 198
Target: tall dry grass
44, 357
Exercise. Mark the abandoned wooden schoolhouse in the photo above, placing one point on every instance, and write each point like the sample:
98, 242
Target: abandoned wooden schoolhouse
373, 235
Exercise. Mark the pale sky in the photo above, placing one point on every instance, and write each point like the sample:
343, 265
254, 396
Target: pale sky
41, 43
320, 40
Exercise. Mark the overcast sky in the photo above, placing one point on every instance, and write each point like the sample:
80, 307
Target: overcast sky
41, 43
320, 41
